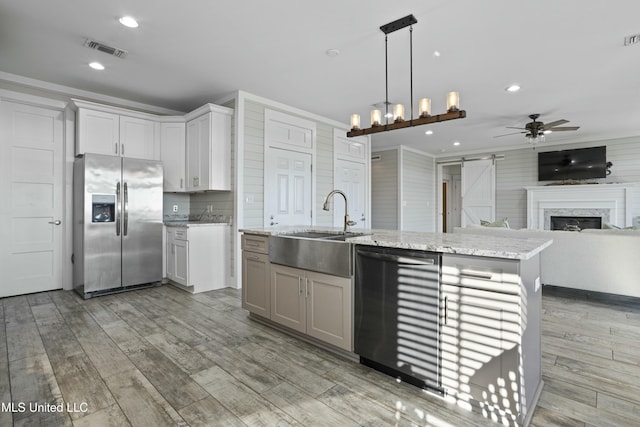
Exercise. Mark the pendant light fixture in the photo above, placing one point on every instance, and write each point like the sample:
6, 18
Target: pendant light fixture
398, 114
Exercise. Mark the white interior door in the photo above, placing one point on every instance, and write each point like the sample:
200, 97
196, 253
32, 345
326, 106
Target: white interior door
287, 188
31, 185
350, 178
478, 190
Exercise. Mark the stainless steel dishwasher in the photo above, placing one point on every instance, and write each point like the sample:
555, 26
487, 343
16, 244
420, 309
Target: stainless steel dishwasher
397, 298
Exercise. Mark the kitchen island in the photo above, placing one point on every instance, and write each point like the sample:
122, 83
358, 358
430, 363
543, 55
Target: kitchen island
475, 334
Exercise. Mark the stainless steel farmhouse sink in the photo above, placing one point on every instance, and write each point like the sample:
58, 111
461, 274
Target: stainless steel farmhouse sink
324, 252
322, 235
311, 234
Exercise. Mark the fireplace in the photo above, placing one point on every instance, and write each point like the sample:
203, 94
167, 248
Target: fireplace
575, 223
610, 202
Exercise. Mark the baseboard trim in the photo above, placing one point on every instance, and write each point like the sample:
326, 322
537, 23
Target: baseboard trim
583, 294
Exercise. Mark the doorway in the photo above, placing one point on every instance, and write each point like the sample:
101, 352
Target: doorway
451, 197
31, 184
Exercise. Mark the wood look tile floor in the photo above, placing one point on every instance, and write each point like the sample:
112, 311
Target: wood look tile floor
160, 356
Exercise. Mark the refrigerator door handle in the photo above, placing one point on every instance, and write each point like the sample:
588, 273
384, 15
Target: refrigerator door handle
118, 208
125, 224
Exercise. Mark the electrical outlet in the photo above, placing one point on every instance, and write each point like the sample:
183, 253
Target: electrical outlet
175, 208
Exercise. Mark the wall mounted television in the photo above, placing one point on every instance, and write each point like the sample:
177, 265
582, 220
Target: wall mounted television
581, 163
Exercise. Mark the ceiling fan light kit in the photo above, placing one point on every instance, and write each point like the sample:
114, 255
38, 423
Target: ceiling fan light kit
424, 106
535, 131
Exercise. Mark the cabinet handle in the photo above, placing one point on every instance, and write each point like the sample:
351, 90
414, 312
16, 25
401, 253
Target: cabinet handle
122, 149
299, 286
181, 179
476, 274
306, 287
445, 310
116, 147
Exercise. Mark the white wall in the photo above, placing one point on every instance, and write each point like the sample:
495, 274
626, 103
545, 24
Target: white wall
384, 190
403, 190
417, 186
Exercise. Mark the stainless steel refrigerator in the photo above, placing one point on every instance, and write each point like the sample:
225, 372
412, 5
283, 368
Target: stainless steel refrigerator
117, 232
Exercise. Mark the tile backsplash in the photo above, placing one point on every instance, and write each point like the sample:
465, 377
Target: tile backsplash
212, 206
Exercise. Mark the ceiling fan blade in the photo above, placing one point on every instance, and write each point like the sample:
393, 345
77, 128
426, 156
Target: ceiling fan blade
563, 128
507, 134
512, 127
556, 123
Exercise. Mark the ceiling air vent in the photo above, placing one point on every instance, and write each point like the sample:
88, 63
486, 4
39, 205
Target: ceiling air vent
92, 44
632, 39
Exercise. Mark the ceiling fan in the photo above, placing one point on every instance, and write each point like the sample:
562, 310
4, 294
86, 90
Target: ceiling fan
535, 130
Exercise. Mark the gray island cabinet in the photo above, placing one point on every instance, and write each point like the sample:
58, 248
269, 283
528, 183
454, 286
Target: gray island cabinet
490, 343
488, 321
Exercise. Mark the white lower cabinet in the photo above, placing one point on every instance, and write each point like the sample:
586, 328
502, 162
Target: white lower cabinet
481, 332
197, 257
315, 304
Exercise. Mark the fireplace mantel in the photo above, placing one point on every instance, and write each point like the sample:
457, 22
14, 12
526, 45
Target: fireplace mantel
612, 202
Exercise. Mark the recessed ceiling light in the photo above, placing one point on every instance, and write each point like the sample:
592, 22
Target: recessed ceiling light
332, 53
429, 132
129, 21
96, 66
456, 143
436, 53
512, 88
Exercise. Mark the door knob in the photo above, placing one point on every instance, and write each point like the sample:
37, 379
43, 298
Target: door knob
56, 222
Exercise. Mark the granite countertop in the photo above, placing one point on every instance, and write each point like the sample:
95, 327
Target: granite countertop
193, 223
463, 244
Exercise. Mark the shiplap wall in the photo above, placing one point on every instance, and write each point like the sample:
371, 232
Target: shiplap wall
324, 173
384, 190
254, 166
418, 191
519, 169
253, 173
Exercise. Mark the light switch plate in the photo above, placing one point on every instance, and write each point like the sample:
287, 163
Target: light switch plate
536, 284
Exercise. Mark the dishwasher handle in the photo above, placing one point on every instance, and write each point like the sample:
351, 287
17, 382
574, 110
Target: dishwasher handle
398, 259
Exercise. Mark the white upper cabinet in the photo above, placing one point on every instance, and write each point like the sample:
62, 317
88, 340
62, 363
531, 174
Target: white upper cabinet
137, 138
208, 151
172, 154
115, 131
98, 132
195, 149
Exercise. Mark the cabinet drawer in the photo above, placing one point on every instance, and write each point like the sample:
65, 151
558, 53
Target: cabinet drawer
254, 243
177, 233
488, 274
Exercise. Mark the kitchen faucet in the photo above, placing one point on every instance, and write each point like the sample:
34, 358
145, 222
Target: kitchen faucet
347, 221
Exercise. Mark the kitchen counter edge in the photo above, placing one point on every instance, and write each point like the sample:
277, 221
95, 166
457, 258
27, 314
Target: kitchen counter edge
448, 243
193, 224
